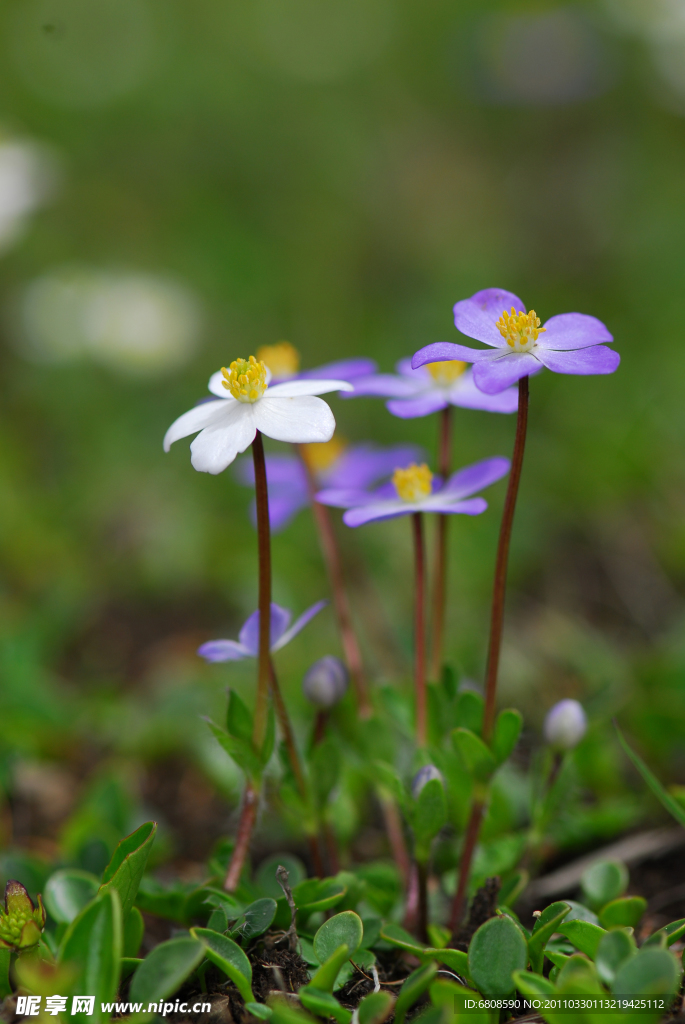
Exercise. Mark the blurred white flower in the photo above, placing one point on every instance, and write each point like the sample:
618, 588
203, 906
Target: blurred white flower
137, 323
26, 178
565, 725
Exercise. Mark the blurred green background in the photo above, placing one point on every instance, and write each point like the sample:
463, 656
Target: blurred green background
182, 183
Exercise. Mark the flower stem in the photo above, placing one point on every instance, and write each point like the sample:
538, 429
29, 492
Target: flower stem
248, 816
440, 573
422, 922
470, 840
393, 827
420, 629
331, 555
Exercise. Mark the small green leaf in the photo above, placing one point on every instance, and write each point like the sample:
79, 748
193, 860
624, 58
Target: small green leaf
614, 949
376, 1007
323, 1004
455, 959
496, 949
164, 970
285, 1013
239, 718
651, 972
507, 731
397, 936
93, 942
129, 964
667, 935
318, 894
259, 1010
478, 759
67, 892
532, 985
451, 998
470, 710
125, 870
412, 990
430, 815
625, 912
5, 986
603, 882
134, 929
438, 934
342, 928
545, 926
672, 806
238, 750
585, 936
579, 977
326, 976
218, 922
229, 958
256, 918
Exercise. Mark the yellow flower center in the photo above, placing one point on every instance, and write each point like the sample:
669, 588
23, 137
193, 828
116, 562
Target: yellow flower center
447, 372
319, 456
413, 483
245, 379
520, 330
283, 359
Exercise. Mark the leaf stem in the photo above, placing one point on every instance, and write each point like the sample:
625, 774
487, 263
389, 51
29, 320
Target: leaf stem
440, 565
419, 628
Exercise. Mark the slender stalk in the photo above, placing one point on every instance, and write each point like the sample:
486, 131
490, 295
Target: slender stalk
422, 921
287, 730
393, 827
248, 816
420, 629
440, 568
470, 840
331, 555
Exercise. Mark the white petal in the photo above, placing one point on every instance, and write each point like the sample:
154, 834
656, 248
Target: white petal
297, 420
216, 383
196, 419
298, 388
217, 446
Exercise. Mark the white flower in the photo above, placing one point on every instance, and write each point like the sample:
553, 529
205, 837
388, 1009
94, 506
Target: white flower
245, 404
565, 725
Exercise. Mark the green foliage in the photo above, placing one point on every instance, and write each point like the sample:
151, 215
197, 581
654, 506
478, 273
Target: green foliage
673, 807
229, 958
164, 970
327, 977
255, 919
93, 944
546, 925
323, 1004
67, 892
125, 870
376, 1007
345, 928
508, 725
614, 949
429, 815
604, 882
478, 759
496, 950
625, 912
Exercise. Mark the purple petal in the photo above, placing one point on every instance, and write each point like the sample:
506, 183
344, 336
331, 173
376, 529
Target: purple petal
405, 369
338, 497
223, 650
342, 369
298, 625
474, 478
249, 634
410, 408
470, 507
494, 375
441, 351
494, 301
464, 393
599, 359
284, 507
477, 317
362, 465
573, 330
383, 385
377, 510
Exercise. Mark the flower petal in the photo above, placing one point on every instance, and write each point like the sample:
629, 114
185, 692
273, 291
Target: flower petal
494, 301
345, 497
219, 443
423, 405
598, 359
494, 375
343, 369
440, 351
249, 634
573, 330
297, 420
299, 388
299, 625
465, 394
378, 510
195, 419
474, 478
477, 317
283, 508
470, 507
385, 385
223, 650
363, 464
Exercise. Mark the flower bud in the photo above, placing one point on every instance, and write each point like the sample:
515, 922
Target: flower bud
565, 725
21, 923
424, 775
325, 683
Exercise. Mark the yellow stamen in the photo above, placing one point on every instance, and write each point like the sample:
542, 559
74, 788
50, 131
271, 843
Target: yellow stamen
321, 455
447, 372
283, 359
245, 379
520, 330
413, 483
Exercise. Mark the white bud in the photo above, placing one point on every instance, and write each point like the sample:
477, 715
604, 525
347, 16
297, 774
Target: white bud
325, 683
565, 725
424, 775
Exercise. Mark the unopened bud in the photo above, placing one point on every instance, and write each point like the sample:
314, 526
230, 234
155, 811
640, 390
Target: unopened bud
424, 775
565, 725
21, 923
325, 683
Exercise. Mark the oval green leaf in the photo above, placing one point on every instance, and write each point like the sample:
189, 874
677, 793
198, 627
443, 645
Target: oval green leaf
326, 976
165, 969
585, 936
614, 949
229, 958
318, 894
604, 881
345, 928
376, 1007
93, 943
623, 913
497, 949
651, 972
323, 1004
67, 892
412, 990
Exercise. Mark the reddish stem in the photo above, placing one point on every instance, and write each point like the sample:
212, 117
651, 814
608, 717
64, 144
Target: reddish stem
420, 629
393, 827
440, 573
248, 816
470, 840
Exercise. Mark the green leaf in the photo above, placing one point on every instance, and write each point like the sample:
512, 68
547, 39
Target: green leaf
256, 918
342, 928
239, 718
614, 949
625, 912
397, 936
125, 870
667, 935
93, 943
470, 710
412, 990
579, 977
478, 759
672, 806
603, 882
532, 985
430, 815
218, 922
285, 1013
129, 964
651, 972
451, 998
67, 892
438, 934
266, 873
134, 929
259, 1010
164, 901
239, 750
497, 949
5, 987
545, 926
267, 747
507, 731
318, 894
376, 1007
164, 970
326, 976
323, 1004
324, 768
585, 936
229, 958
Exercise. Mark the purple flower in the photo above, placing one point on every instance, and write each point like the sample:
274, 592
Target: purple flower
326, 682
424, 775
283, 360
415, 489
430, 388
568, 343
247, 644
355, 468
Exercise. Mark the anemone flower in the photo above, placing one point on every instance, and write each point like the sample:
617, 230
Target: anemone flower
246, 404
283, 360
247, 644
520, 346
